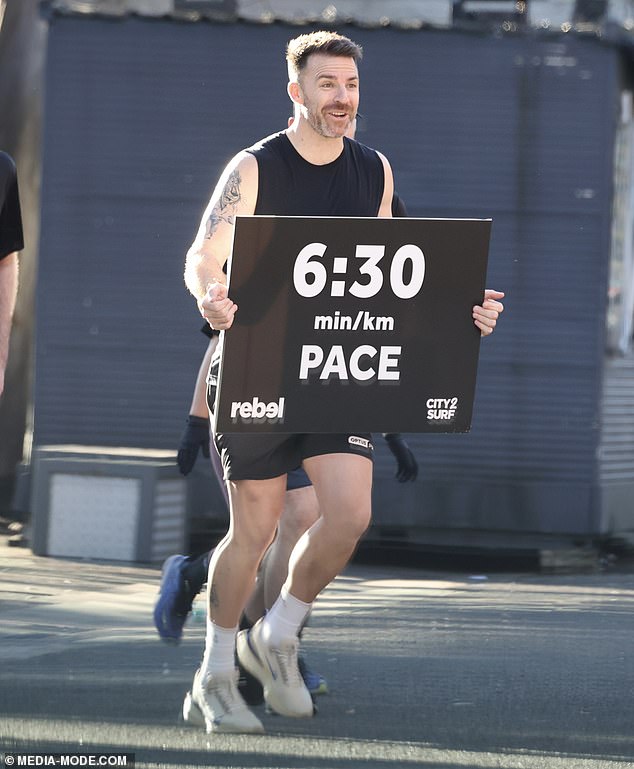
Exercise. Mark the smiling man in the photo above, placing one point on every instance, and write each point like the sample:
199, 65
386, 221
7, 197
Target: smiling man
310, 169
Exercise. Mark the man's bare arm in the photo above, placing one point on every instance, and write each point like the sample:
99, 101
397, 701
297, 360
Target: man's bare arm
223, 211
235, 194
385, 210
8, 293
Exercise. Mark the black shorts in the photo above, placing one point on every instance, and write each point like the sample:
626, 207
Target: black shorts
262, 456
258, 457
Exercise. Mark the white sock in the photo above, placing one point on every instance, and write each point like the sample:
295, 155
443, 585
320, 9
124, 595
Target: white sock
220, 645
285, 618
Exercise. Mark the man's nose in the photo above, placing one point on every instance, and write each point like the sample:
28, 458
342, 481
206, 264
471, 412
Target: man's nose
342, 94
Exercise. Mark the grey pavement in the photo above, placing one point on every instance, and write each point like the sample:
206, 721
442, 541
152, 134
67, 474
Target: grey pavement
427, 669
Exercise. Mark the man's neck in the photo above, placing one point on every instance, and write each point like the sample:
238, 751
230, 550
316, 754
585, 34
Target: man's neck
316, 149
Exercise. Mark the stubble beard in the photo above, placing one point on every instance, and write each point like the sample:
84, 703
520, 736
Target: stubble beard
319, 123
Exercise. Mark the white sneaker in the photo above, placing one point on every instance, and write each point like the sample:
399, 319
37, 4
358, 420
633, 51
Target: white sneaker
216, 704
277, 670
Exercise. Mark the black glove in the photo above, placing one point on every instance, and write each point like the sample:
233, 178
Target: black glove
195, 437
407, 466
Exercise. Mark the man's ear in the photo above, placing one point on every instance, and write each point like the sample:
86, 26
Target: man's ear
295, 92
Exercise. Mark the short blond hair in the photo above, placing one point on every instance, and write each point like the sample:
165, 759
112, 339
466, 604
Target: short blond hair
300, 48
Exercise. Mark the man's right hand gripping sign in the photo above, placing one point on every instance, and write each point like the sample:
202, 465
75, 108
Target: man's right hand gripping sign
218, 310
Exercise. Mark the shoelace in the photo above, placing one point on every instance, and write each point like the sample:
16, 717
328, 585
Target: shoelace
286, 657
226, 692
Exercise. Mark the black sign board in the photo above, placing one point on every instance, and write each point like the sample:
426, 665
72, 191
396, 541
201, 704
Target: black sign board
352, 325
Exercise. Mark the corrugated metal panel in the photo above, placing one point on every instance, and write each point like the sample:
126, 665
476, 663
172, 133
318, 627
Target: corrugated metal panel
531, 144
137, 131
535, 154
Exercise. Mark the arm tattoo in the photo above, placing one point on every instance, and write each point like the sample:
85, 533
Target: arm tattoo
224, 210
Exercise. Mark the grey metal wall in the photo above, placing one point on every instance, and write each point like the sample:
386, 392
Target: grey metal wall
142, 114
140, 118
535, 153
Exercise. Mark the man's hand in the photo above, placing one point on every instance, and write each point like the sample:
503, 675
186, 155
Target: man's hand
195, 437
216, 307
486, 315
406, 464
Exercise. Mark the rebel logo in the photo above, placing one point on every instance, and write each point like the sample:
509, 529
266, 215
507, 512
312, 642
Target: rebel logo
257, 411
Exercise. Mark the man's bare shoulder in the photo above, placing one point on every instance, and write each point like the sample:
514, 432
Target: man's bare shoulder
244, 161
384, 160
240, 179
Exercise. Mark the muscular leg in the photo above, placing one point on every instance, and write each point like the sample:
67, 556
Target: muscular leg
300, 513
214, 697
255, 510
343, 485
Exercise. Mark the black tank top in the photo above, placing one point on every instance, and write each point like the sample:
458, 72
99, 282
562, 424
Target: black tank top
288, 185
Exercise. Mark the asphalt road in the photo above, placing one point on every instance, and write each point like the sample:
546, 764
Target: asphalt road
426, 668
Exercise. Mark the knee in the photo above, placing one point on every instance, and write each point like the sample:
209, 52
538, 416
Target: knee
252, 541
359, 521
351, 522
254, 515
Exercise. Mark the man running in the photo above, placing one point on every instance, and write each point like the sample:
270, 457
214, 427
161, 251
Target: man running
310, 169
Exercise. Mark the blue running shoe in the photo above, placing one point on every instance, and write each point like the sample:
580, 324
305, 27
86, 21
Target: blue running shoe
315, 683
174, 601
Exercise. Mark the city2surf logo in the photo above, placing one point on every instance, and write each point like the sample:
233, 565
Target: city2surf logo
256, 411
441, 410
